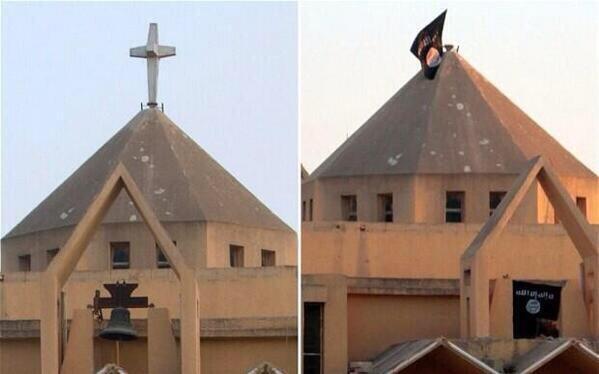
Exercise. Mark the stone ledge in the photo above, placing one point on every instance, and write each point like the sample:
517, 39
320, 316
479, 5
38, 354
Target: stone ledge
135, 275
210, 328
395, 286
547, 229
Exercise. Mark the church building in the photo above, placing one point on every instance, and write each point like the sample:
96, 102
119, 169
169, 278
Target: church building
450, 233
153, 214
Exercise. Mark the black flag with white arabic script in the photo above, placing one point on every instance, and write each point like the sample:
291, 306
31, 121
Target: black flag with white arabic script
428, 46
534, 306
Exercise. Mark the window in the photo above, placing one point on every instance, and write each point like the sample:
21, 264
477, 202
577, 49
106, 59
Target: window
581, 203
268, 258
349, 207
50, 254
313, 327
495, 198
119, 255
454, 206
161, 260
236, 256
311, 214
385, 203
25, 263
303, 210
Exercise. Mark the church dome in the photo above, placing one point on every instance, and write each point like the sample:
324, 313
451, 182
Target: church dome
181, 182
456, 123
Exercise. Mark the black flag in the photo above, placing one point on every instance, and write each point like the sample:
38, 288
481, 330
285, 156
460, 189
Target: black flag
535, 306
428, 46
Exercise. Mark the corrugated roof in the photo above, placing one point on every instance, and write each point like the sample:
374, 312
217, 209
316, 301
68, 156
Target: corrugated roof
177, 177
400, 356
548, 350
456, 123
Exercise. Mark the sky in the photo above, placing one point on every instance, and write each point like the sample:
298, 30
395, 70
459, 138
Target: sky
543, 56
68, 85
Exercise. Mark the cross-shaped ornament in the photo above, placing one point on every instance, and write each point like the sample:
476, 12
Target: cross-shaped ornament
120, 296
152, 52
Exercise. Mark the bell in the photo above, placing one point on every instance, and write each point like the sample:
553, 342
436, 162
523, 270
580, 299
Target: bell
119, 327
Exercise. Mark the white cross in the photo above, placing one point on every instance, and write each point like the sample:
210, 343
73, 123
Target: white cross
153, 52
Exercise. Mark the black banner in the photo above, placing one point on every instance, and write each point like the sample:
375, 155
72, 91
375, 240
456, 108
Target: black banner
428, 46
536, 308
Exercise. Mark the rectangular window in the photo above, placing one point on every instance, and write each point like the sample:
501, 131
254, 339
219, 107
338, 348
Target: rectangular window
311, 214
313, 332
495, 198
385, 207
25, 263
161, 260
236, 256
581, 203
268, 258
454, 206
50, 254
349, 208
119, 255
303, 210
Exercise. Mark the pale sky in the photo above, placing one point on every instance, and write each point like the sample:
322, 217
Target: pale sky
68, 85
543, 56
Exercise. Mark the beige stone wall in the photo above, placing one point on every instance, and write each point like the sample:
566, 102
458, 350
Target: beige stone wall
237, 356
224, 293
203, 245
377, 322
20, 356
221, 235
227, 356
265, 295
421, 198
587, 188
332, 251
190, 238
433, 251
430, 191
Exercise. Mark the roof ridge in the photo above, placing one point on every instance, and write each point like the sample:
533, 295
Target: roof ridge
473, 75
226, 173
429, 115
316, 173
486, 102
66, 223
178, 160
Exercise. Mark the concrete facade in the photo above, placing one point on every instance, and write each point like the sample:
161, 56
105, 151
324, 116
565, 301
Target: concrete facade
382, 315
248, 316
421, 198
206, 245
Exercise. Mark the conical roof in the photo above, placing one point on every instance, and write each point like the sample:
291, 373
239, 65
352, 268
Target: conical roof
177, 177
456, 123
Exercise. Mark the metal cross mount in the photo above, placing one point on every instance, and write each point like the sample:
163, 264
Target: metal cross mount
120, 296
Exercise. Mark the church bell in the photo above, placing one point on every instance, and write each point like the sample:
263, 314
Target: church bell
119, 326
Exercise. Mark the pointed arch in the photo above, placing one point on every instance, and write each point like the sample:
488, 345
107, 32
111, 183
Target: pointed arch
474, 280
56, 275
